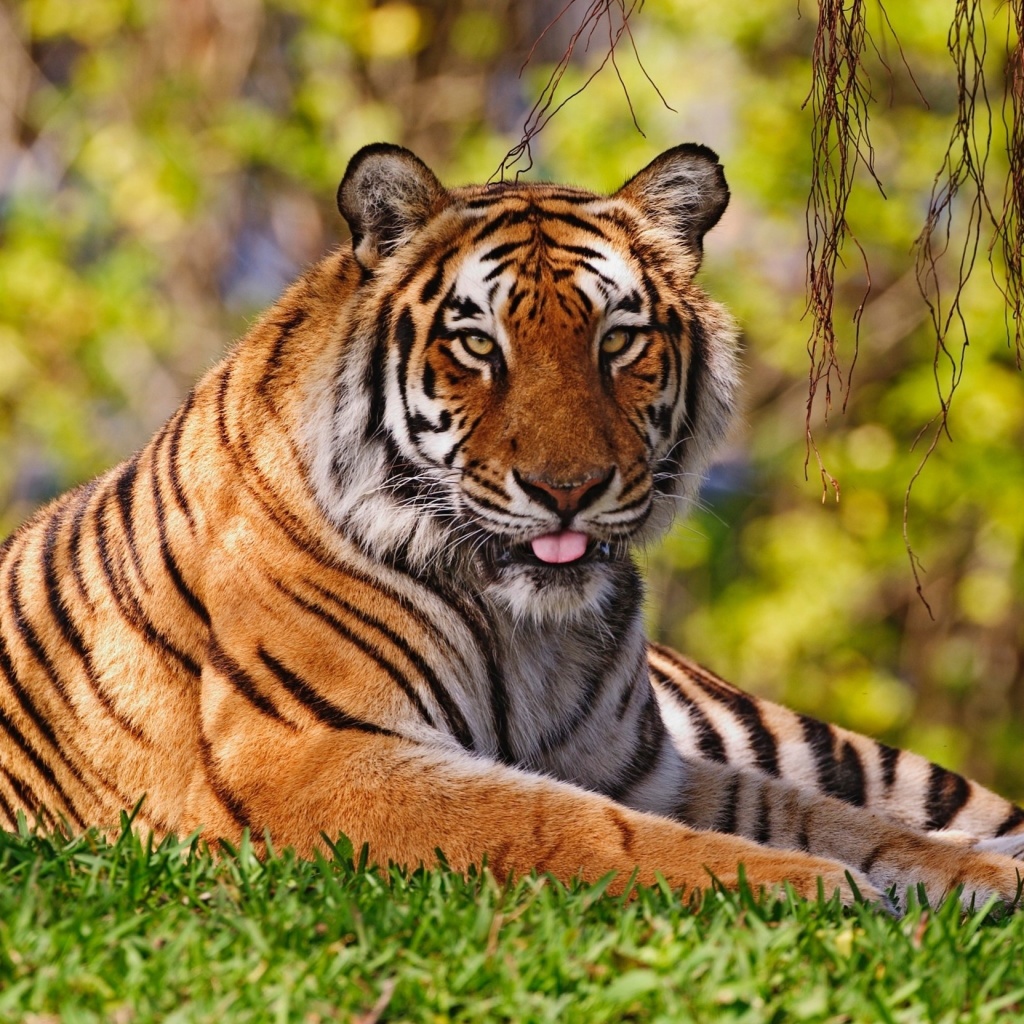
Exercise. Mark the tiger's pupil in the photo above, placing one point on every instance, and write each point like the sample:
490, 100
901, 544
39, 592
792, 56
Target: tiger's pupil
615, 341
478, 344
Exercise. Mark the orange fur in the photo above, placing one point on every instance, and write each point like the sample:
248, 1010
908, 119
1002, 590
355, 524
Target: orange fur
308, 605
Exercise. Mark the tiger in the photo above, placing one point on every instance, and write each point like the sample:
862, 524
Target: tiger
376, 577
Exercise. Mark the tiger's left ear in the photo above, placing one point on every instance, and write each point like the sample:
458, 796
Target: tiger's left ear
387, 195
684, 190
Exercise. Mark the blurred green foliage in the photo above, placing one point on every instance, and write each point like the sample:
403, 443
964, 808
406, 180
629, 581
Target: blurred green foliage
167, 167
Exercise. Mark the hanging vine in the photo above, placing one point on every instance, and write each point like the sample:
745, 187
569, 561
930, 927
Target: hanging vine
612, 17
840, 101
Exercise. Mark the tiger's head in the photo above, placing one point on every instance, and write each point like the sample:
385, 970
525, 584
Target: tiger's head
532, 382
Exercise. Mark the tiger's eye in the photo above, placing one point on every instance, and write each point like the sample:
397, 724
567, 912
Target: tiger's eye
616, 341
478, 344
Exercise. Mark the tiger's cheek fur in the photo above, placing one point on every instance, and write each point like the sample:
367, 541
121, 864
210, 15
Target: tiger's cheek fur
650, 395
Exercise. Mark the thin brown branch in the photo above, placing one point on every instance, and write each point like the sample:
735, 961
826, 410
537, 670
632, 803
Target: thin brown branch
615, 15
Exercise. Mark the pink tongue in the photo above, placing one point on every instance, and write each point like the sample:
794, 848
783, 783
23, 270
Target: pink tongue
557, 548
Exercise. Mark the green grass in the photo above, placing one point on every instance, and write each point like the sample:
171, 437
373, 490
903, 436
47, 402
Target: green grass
134, 931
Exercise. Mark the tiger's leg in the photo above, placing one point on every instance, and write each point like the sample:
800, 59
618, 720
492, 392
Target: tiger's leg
408, 799
714, 721
776, 813
284, 773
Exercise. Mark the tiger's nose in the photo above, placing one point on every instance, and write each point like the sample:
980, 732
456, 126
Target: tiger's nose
565, 498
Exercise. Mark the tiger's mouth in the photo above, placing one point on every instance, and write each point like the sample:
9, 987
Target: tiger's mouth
565, 550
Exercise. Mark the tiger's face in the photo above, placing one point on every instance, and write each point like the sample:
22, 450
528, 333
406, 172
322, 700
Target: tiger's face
546, 380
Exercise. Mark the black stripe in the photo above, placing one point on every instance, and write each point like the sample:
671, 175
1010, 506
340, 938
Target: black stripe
173, 452
46, 731
45, 771
493, 506
639, 477
499, 708
241, 454
584, 298
405, 338
629, 303
462, 306
947, 793
9, 812
499, 252
498, 269
433, 283
419, 424
852, 784
709, 742
69, 629
762, 831
577, 250
840, 771
1011, 821
222, 404
473, 616
370, 650
284, 331
577, 716
30, 800
506, 219
514, 301
322, 709
232, 803
197, 606
803, 840
871, 858
243, 682
619, 616
889, 759
572, 220
467, 434
29, 708
83, 497
818, 736
470, 615
125, 491
456, 721
727, 818
129, 604
696, 370
27, 633
647, 750
487, 485
512, 192
628, 506
745, 709
573, 313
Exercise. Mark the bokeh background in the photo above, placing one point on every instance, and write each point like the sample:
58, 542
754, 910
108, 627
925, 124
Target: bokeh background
167, 166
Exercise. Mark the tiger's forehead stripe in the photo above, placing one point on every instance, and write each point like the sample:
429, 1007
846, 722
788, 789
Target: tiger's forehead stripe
536, 217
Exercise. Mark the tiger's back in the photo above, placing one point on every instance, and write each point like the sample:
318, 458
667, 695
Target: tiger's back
374, 575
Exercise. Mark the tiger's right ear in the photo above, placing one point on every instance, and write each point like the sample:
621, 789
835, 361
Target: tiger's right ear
684, 189
387, 195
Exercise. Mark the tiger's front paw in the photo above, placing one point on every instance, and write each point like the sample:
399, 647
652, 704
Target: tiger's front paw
852, 885
987, 875
811, 877
980, 877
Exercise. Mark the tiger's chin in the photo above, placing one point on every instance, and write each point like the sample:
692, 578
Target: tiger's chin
532, 585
